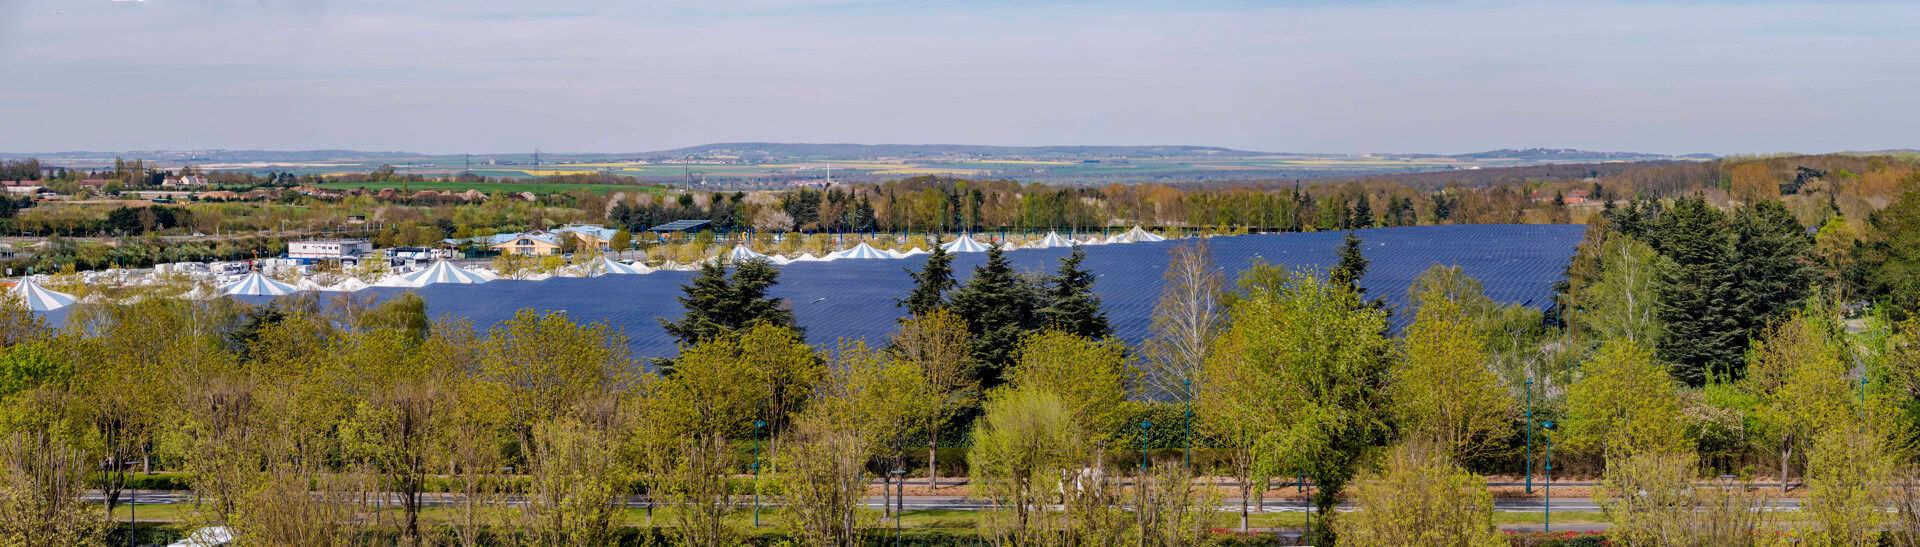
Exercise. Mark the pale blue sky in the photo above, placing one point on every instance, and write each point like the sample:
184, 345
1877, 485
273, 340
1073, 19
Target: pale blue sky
631, 75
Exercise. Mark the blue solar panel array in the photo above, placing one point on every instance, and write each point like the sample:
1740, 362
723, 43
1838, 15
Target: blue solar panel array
854, 298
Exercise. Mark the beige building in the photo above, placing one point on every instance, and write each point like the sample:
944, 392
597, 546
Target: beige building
529, 244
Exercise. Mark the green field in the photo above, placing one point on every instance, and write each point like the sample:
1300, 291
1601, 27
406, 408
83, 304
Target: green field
491, 187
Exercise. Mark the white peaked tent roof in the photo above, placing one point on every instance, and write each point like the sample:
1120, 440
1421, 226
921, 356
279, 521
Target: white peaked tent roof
1053, 239
442, 272
741, 253
808, 257
600, 266
1092, 240
863, 250
1009, 246
1136, 235
350, 285
255, 284
37, 298
965, 244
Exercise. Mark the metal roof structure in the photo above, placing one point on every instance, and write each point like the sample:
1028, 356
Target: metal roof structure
681, 226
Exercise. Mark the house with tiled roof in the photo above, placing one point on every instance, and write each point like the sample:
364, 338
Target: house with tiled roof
590, 236
535, 243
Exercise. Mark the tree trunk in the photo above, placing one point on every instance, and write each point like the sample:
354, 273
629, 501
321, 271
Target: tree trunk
886, 495
1246, 485
933, 470
1785, 455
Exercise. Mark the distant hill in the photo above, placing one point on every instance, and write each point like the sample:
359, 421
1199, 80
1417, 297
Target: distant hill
858, 151
1566, 154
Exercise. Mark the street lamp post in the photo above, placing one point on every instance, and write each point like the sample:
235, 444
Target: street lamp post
1529, 417
899, 476
1546, 520
757, 426
1144, 427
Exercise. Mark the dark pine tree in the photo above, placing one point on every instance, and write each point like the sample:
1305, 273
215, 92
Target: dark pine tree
999, 310
930, 284
1703, 339
717, 303
1353, 266
1071, 304
1362, 212
1770, 271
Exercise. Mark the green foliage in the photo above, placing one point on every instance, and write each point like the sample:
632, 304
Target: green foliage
999, 311
930, 284
1696, 294
1090, 377
1890, 259
1420, 498
718, 303
1624, 302
720, 385
1623, 404
1771, 269
1022, 444
1446, 393
1798, 371
1302, 372
1071, 304
26, 366
1652, 500
1848, 474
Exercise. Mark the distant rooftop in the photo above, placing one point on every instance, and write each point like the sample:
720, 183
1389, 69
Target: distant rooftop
680, 226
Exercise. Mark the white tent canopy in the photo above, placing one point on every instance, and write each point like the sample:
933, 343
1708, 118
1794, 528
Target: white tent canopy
37, 298
862, 251
1136, 235
741, 253
1052, 240
965, 244
255, 284
601, 265
442, 272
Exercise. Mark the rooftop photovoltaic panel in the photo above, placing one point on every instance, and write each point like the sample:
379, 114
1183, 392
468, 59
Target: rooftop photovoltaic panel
680, 225
854, 298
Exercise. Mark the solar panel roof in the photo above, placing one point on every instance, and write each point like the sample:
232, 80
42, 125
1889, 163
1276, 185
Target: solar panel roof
854, 298
679, 225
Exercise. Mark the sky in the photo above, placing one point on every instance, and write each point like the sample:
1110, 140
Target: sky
508, 76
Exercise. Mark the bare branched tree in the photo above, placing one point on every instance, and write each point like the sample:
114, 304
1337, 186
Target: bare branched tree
1190, 315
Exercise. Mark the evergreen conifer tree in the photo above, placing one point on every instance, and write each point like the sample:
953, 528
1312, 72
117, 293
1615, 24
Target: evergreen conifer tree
1703, 338
998, 307
717, 303
1770, 269
930, 284
1352, 267
1071, 304
1362, 212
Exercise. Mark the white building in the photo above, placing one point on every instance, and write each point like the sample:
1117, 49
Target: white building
329, 249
